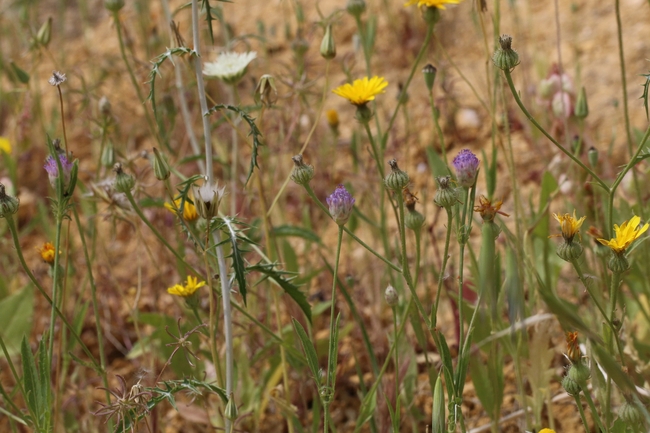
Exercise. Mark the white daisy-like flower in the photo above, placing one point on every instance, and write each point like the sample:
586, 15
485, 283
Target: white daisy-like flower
229, 67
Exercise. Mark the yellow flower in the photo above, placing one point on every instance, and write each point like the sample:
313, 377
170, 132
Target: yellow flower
188, 289
47, 252
332, 118
627, 233
570, 225
546, 430
5, 145
440, 4
189, 210
362, 91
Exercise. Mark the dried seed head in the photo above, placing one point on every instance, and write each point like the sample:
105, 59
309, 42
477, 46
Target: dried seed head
57, 78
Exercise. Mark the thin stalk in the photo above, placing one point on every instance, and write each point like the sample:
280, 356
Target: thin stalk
582, 412
530, 117
466, 226
445, 257
56, 296
396, 366
436, 122
198, 69
331, 353
594, 412
227, 317
65, 135
613, 292
212, 315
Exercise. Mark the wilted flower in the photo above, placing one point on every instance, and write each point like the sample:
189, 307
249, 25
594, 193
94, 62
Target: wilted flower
207, 199
340, 204
47, 252
52, 169
488, 210
440, 4
573, 347
189, 210
627, 233
266, 92
57, 78
362, 91
188, 289
229, 67
466, 165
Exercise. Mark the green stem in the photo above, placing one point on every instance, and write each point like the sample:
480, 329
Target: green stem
331, 354
436, 122
582, 412
530, 117
56, 295
396, 421
594, 412
441, 276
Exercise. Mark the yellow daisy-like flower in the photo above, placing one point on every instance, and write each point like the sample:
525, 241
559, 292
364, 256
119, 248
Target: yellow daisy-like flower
570, 225
189, 210
546, 430
5, 145
188, 289
47, 252
440, 4
362, 91
627, 233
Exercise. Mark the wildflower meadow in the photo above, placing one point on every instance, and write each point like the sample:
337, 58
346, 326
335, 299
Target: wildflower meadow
324, 216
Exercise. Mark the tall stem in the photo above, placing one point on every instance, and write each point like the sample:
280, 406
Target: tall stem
445, 257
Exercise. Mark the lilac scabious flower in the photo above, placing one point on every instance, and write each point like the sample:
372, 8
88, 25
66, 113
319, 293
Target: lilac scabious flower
340, 203
52, 169
466, 166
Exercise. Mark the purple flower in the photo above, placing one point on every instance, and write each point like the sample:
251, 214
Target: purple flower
340, 203
466, 166
52, 169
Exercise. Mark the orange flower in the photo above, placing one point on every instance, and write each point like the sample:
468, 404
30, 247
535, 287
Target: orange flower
47, 252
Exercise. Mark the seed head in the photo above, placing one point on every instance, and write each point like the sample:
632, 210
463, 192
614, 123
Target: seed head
57, 78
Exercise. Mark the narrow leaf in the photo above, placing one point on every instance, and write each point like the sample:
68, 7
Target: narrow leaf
309, 350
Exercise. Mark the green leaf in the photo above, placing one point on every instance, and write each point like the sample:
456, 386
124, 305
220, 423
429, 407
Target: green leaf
30, 378
155, 71
238, 264
484, 389
294, 231
254, 132
436, 164
613, 370
22, 76
286, 284
309, 350
16, 312
333, 352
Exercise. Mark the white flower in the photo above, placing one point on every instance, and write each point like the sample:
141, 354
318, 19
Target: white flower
207, 198
229, 67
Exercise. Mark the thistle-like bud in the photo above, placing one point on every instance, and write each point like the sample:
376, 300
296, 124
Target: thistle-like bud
123, 182
327, 46
160, 165
391, 296
114, 5
397, 179
466, 165
618, 263
414, 220
446, 195
363, 114
629, 414
592, 156
302, 173
356, 7
569, 251
570, 386
505, 58
8, 204
52, 168
581, 110
266, 92
430, 14
579, 372
207, 199
45, 33
340, 205
231, 411
429, 72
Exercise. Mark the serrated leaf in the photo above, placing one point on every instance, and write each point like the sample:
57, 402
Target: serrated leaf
16, 312
289, 288
238, 264
294, 231
308, 349
155, 70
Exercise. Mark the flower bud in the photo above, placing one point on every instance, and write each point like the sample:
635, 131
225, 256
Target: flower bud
438, 408
52, 168
266, 92
45, 33
397, 179
8, 204
363, 114
356, 7
579, 372
231, 411
629, 414
414, 220
123, 182
327, 46
505, 58
160, 165
618, 263
302, 173
333, 120
592, 156
340, 205
207, 199
570, 386
429, 72
430, 14
581, 110
114, 5
108, 156
569, 251
391, 296
466, 165
561, 105
446, 195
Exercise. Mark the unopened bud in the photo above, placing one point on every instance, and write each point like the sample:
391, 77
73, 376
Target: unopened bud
629, 414
160, 165
327, 46
123, 182
391, 296
114, 5
505, 58
108, 155
363, 114
356, 7
8, 204
446, 195
302, 173
266, 92
429, 72
592, 156
104, 106
582, 108
45, 33
397, 179
618, 263
569, 251
430, 14
570, 386
231, 411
